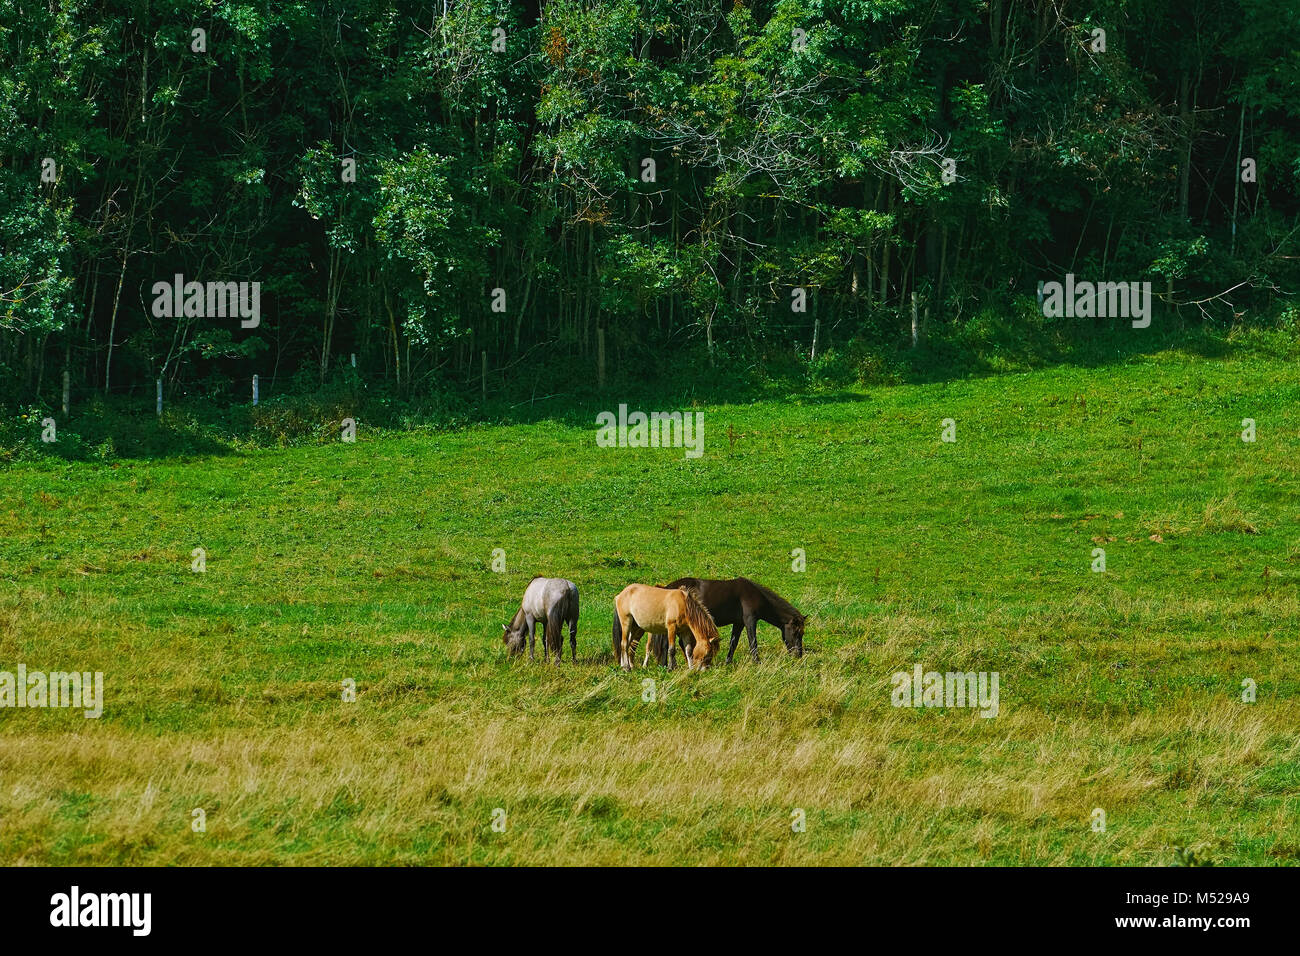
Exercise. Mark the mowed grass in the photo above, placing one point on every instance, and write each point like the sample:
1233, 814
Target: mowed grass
371, 561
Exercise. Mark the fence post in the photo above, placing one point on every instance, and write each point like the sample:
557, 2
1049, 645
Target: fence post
160, 398
254, 389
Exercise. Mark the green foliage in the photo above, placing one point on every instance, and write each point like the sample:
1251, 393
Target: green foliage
865, 150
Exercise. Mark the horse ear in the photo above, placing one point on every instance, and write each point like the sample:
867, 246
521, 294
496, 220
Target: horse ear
505, 627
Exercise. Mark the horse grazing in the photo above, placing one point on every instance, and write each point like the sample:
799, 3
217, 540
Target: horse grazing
639, 609
553, 602
741, 602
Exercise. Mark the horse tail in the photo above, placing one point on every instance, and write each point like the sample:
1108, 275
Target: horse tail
618, 637
698, 617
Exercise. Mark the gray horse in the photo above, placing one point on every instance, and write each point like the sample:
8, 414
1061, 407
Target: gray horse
552, 602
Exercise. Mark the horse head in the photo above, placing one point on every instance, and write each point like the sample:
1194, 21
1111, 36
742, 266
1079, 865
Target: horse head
703, 653
792, 634
515, 639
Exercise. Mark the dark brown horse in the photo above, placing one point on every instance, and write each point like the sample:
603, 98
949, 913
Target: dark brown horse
739, 602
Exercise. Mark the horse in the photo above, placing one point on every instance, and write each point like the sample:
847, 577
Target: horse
553, 602
639, 609
741, 602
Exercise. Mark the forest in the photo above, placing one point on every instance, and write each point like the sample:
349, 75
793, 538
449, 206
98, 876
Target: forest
455, 198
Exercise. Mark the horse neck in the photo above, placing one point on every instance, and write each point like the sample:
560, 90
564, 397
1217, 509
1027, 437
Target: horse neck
777, 618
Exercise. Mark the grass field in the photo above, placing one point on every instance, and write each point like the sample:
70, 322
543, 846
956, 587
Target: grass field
370, 561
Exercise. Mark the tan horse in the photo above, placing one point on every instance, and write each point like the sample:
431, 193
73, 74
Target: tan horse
640, 608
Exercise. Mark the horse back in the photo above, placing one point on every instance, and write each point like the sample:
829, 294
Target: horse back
725, 599
647, 605
545, 596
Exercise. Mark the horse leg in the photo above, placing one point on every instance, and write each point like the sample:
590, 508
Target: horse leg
650, 642
735, 639
672, 648
573, 639
624, 655
687, 644
554, 637
637, 633
532, 630
751, 625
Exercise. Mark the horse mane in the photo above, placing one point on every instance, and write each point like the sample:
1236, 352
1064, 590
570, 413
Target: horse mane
778, 602
698, 616
694, 592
